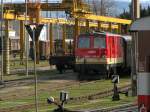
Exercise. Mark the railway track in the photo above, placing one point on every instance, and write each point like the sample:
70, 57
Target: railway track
122, 108
101, 94
29, 81
89, 97
129, 108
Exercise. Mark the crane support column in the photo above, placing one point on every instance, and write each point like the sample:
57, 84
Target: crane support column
64, 37
77, 30
21, 40
110, 27
87, 26
38, 8
119, 28
51, 38
6, 49
99, 25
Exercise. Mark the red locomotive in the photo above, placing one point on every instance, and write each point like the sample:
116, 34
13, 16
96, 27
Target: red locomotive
100, 52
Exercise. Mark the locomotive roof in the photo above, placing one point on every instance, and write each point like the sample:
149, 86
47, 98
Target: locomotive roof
107, 33
126, 37
102, 33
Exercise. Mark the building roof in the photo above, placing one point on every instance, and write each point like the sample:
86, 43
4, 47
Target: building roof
142, 24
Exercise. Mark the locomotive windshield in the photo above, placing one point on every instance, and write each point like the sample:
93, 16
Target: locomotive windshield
83, 42
99, 42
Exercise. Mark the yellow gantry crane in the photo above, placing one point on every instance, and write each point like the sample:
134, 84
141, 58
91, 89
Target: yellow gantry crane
77, 9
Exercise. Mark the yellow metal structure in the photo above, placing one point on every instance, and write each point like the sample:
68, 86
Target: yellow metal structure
64, 21
110, 27
99, 25
34, 10
34, 17
77, 30
103, 18
87, 25
70, 6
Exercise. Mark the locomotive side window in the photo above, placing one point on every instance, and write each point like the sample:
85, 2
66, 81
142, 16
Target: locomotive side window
99, 42
83, 42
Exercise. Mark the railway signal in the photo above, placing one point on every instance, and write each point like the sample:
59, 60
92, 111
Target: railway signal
115, 80
37, 29
63, 98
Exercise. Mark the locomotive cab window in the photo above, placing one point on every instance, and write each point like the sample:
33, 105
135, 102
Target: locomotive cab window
84, 42
99, 42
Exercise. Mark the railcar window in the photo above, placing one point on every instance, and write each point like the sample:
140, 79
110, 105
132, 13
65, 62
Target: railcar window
84, 42
99, 42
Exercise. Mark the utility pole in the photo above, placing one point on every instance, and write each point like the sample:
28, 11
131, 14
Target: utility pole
135, 15
27, 39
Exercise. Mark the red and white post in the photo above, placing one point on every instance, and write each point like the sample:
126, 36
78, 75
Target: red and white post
144, 92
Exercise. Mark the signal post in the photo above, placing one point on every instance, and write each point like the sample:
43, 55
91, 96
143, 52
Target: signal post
51, 38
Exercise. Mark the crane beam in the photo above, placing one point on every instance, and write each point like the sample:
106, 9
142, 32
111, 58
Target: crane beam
64, 21
103, 18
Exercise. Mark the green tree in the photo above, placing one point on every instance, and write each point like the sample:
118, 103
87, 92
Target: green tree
127, 14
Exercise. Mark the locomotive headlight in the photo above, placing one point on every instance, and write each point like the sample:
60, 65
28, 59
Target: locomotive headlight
78, 58
104, 56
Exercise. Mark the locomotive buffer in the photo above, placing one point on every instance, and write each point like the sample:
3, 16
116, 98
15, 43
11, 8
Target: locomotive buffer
62, 60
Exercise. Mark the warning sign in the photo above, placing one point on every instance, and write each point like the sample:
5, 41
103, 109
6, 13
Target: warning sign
36, 28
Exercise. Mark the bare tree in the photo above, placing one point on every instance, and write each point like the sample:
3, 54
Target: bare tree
103, 7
